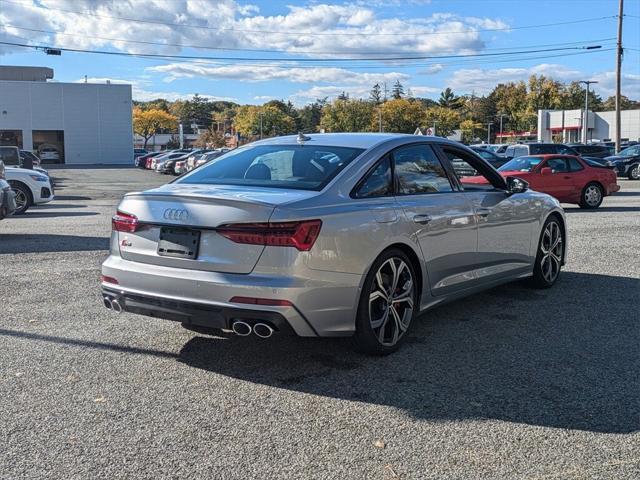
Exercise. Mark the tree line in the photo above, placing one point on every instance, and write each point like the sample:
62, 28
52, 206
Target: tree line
514, 103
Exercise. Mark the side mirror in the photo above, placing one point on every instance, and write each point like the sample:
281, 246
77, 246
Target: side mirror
516, 185
546, 171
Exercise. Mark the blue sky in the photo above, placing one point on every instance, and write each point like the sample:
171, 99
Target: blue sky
339, 33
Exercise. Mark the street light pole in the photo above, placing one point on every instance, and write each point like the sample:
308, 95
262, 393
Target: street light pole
260, 125
489, 132
501, 115
585, 117
618, 72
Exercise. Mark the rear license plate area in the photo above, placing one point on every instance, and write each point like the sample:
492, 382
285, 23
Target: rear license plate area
178, 242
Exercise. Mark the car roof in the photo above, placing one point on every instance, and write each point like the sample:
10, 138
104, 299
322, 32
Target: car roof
356, 140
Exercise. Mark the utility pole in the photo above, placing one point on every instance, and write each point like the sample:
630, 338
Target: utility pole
585, 117
618, 72
501, 115
379, 119
489, 132
261, 125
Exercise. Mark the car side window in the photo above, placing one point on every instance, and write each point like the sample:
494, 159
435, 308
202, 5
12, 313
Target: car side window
378, 182
558, 165
418, 170
564, 150
574, 165
468, 176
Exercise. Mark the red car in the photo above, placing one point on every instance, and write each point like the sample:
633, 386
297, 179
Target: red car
569, 178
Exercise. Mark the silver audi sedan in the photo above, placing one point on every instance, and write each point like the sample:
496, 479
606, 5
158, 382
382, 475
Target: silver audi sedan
328, 235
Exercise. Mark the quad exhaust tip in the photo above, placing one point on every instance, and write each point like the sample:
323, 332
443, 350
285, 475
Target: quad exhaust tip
107, 302
262, 330
240, 328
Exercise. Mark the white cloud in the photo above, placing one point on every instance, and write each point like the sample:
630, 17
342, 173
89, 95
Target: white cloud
351, 29
482, 81
264, 73
140, 91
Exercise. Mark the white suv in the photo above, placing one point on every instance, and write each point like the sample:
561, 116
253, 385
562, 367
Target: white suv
30, 186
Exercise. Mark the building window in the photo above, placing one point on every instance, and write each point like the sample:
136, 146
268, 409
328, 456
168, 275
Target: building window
11, 138
49, 145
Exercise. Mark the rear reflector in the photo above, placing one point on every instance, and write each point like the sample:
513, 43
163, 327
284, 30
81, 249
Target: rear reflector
124, 222
301, 235
108, 279
262, 301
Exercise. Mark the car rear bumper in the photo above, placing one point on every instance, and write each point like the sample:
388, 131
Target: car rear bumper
321, 306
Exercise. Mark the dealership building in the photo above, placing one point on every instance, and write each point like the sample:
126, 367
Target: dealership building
70, 123
566, 125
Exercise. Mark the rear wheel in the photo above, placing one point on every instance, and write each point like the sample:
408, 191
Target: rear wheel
24, 199
550, 254
634, 172
388, 304
591, 196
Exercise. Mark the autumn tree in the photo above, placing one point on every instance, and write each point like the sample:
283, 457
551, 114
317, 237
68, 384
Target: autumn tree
347, 116
468, 129
399, 116
251, 120
146, 123
625, 103
211, 138
445, 120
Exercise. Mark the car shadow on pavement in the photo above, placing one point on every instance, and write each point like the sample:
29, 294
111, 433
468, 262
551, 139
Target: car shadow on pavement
43, 214
602, 209
38, 243
567, 357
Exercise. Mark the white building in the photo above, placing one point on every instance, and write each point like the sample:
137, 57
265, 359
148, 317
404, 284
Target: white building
72, 123
566, 125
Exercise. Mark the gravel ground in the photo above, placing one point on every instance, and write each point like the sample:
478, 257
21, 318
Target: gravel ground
512, 383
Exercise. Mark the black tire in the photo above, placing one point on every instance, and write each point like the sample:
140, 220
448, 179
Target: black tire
634, 172
399, 313
24, 198
541, 277
591, 196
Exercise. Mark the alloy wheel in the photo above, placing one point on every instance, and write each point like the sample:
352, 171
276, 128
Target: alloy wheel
592, 195
21, 200
635, 172
551, 247
391, 301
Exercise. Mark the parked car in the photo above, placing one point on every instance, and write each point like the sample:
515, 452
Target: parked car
7, 196
139, 152
377, 226
30, 188
180, 167
50, 154
207, 157
627, 162
523, 149
592, 151
167, 164
141, 161
499, 148
488, 155
569, 178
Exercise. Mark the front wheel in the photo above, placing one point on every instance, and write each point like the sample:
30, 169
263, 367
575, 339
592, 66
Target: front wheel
23, 197
591, 196
550, 254
388, 304
634, 172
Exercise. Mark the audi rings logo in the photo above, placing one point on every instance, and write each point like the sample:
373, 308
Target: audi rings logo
176, 214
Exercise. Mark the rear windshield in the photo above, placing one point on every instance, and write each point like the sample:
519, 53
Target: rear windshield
303, 167
520, 164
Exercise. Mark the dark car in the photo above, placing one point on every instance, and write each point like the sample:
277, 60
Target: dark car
627, 162
495, 160
593, 151
522, 149
138, 152
141, 161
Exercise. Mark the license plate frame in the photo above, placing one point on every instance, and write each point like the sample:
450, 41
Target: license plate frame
179, 242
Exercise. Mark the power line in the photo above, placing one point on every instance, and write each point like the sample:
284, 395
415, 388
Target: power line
306, 60
205, 47
371, 34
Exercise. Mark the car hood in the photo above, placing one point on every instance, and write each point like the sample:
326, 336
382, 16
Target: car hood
23, 171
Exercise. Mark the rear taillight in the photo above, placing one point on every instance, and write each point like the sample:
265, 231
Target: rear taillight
301, 235
124, 222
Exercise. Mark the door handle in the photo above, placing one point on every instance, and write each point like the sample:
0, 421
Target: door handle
422, 219
566, 177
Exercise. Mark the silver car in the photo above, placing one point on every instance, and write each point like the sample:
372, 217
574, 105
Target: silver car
328, 235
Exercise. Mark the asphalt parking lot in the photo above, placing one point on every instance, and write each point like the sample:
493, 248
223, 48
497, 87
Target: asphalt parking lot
512, 383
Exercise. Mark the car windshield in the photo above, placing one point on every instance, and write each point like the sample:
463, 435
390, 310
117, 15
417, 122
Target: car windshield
520, 164
630, 151
305, 167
